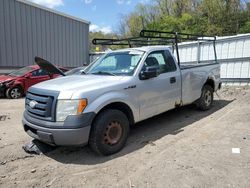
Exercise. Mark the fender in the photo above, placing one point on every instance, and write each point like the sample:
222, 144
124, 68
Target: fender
17, 83
111, 97
214, 75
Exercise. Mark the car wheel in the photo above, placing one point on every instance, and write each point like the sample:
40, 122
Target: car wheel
109, 132
14, 93
206, 100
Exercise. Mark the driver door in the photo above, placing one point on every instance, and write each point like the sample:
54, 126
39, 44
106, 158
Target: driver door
160, 93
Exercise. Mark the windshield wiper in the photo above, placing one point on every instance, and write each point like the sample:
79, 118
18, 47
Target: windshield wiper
104, 73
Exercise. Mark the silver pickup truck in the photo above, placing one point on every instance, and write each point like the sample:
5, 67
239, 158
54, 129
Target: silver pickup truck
118, 90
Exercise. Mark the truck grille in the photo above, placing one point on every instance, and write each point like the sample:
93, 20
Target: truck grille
41, 105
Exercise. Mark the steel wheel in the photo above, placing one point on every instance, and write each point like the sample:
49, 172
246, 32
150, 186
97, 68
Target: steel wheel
113, 133
208, 98
109, 132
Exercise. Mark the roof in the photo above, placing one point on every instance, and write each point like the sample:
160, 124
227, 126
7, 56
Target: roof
53, 11
145, 48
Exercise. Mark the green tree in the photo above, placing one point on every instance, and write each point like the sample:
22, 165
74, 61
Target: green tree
213, 17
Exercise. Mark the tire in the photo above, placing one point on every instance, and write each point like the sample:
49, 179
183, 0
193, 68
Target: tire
7, 93
109, 132
207, 97
14, 93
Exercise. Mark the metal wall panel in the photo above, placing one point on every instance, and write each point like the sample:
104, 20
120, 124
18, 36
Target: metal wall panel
233, 53
28, 30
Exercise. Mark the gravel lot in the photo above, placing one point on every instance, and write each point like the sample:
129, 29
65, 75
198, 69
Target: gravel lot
180, 148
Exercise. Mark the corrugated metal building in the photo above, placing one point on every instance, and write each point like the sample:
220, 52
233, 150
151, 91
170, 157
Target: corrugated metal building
233, 53
28, 30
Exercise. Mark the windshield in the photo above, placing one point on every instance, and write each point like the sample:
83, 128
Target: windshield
116, 63
21, 71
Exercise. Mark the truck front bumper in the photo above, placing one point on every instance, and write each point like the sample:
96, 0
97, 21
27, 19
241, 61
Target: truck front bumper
74, 130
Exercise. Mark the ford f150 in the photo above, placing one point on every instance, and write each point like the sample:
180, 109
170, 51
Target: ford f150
118, 90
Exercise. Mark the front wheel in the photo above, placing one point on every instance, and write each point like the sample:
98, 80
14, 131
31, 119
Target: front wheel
206, 100
109, 132
14, 93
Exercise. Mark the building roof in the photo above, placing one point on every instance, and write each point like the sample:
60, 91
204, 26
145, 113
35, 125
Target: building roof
53, 11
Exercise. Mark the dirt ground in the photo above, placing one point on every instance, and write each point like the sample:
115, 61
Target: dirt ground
180, 148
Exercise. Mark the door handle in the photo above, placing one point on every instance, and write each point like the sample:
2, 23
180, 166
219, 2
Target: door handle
172, 80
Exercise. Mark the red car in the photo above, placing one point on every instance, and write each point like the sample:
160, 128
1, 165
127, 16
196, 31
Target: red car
15, 84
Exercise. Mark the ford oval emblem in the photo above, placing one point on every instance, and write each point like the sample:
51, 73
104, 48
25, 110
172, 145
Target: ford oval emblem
33, 104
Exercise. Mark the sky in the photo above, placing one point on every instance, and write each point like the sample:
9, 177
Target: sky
104, 15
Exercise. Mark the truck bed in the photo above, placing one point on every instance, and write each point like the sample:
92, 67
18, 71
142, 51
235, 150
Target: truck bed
193, 78
195, 65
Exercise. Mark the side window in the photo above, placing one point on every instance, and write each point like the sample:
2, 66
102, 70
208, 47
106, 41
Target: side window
171, 66
159, 58
39, 72
163, 59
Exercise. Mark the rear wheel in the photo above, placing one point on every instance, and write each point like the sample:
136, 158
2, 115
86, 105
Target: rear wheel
109, 132
206, 100
14, 93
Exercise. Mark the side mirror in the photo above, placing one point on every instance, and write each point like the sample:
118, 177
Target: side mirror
149, 72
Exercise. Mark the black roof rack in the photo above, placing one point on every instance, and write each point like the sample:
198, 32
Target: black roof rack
135, 41
181, 37
153, 37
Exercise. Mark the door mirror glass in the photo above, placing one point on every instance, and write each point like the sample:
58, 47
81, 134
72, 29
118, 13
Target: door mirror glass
149, 72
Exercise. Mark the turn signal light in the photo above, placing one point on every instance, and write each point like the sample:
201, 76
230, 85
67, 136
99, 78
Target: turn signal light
82, 105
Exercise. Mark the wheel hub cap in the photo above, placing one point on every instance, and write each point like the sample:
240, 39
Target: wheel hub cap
15, 93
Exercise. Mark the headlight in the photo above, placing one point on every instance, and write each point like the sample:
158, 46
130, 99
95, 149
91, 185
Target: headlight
69, 107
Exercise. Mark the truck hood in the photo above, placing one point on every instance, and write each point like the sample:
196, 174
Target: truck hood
4, 78
79, 83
